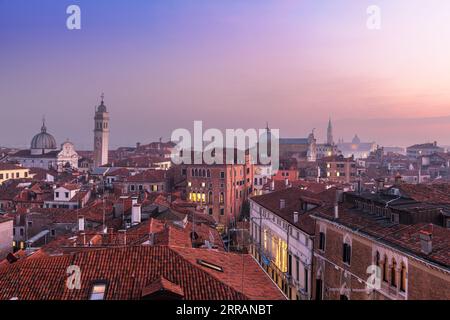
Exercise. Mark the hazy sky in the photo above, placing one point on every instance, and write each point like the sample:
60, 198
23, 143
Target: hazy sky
231, 63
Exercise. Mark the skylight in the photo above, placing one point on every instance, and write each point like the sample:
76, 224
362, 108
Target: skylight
98, 291
209, 265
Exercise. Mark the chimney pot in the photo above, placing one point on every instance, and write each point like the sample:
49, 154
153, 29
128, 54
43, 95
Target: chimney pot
336, 210
282, 203
83, 237
295, 217
123, 237
426, 241
136, 214
81, 222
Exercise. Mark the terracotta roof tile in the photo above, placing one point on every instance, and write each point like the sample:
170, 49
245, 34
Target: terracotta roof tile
128, 271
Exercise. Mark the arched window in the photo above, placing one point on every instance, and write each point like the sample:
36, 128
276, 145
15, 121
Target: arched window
346, 250
385, 268
208, 173
204, 173
319, 285
221, 200
403, 278
377, 259
210, 197
394, 273
196, 172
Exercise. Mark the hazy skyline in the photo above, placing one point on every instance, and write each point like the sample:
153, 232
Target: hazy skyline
163, 64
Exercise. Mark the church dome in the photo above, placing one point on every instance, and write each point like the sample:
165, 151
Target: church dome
102, 108
43, 141
356, 140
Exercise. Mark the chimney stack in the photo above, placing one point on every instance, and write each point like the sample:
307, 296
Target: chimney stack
272, 185
81, 223
123, 237
339, 196
136, 214
286, 182
282, 203
296, 217
398, 179
426, 241
336, 210
134, 200
83, 237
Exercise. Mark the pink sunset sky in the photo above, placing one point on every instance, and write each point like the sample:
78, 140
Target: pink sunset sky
232, 64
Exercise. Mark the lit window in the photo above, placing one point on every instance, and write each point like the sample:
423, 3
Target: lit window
403, 278
394, 273
98, 291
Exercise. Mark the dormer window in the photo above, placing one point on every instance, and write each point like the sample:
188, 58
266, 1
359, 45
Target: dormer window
98, 291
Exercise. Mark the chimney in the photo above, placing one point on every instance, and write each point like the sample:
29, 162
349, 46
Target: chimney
339, 196
380, 184
136, 214
151, 239
123, 237
336, 210
272, 185
282, 203
296, 217
398, 179
426, 242
81, 223
83, 237
134, 201
286, 182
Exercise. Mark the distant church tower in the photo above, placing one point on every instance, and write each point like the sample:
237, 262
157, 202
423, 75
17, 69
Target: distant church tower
101, 135
330, 133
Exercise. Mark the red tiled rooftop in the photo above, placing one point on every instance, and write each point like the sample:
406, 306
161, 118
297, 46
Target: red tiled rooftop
129, 270
404, 237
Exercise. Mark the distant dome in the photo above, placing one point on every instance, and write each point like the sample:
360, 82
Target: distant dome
102, 107
43, 142
356, 140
